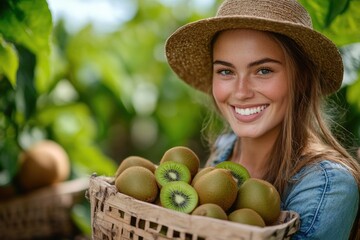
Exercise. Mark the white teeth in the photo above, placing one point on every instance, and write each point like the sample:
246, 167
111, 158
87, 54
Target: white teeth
249, 111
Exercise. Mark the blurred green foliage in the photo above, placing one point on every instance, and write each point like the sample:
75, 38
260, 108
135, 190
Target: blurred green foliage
107, 95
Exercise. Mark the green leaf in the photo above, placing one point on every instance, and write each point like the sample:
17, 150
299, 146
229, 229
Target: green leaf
9, 61
29, 23
336, 19
336, 8
352, 94
71, 124
25, 94
88, 158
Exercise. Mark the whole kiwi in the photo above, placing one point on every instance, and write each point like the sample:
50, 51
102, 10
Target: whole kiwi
42, 164
135, 161
179, 196
200, 173
246, 216
217, 186
261, 196
237, 170
138, 182
210, 210
183, 155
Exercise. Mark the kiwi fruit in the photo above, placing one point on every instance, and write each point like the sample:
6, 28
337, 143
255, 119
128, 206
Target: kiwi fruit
172, 171
183, 155
217, 186
135, 161
210, 210
138, 182
42, 164
237, 170
260, 196
246, 216
179, 196
200, 173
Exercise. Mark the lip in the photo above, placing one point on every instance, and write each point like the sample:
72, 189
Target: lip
249, 113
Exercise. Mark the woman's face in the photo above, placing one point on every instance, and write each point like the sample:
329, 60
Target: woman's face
250, 83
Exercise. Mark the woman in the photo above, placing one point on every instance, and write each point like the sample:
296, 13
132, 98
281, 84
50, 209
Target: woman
268, 73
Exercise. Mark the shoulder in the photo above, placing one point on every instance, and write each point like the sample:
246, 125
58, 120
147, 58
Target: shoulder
222, 148
325, 171
326, 196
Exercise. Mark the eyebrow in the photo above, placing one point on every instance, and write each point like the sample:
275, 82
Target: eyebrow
255, 63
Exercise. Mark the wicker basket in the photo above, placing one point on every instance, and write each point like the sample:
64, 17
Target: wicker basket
118, 216
42, 214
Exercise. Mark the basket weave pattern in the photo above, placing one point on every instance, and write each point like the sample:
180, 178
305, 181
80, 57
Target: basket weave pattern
117, 216
42, 214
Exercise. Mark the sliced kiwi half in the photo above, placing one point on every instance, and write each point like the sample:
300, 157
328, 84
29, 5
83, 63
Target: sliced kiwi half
171, 171
239, 172
179, 196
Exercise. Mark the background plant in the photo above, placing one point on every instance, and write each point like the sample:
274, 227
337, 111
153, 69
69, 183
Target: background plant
104, 95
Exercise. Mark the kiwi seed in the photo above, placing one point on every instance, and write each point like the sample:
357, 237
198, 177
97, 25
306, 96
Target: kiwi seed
172, 171
179, 196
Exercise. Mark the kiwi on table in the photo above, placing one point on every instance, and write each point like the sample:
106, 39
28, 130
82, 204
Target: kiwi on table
138, 182
260, 196
200, 173
246, 216
135, 161
217, 186
171, 171
210, 210
179, 196
183, 155
237, 170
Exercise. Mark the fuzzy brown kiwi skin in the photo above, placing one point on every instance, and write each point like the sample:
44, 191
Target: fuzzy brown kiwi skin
210, 210
260, 196
183, 155
217, 186
44, 163
237, 170
138, 182
135, 161
200, 173
247, 216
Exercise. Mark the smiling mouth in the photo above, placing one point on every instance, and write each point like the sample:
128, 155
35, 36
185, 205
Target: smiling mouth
250, 111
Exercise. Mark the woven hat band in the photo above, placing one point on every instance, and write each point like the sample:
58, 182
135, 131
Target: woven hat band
281, 11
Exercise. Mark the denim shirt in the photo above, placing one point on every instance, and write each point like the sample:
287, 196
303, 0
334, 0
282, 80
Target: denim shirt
324, 194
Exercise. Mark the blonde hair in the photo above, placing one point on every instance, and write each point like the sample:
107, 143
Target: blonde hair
306, 136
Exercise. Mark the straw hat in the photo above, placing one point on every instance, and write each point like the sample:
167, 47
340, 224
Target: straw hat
189, 53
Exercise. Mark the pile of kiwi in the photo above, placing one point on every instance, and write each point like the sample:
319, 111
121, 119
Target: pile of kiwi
225, 191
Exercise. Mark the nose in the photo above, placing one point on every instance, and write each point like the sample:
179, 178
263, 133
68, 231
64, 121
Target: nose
244, 88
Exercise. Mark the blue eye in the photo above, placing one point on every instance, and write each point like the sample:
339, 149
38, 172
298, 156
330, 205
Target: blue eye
224, 72
264, 71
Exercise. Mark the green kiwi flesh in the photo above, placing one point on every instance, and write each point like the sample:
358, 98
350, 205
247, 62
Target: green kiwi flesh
172, 171
239, 172
179, 196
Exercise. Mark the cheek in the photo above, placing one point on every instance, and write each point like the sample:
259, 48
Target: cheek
219, 91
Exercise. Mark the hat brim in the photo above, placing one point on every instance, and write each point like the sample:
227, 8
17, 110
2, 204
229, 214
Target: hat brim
189, 53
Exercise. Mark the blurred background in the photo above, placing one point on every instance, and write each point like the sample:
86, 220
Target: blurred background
92, 76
